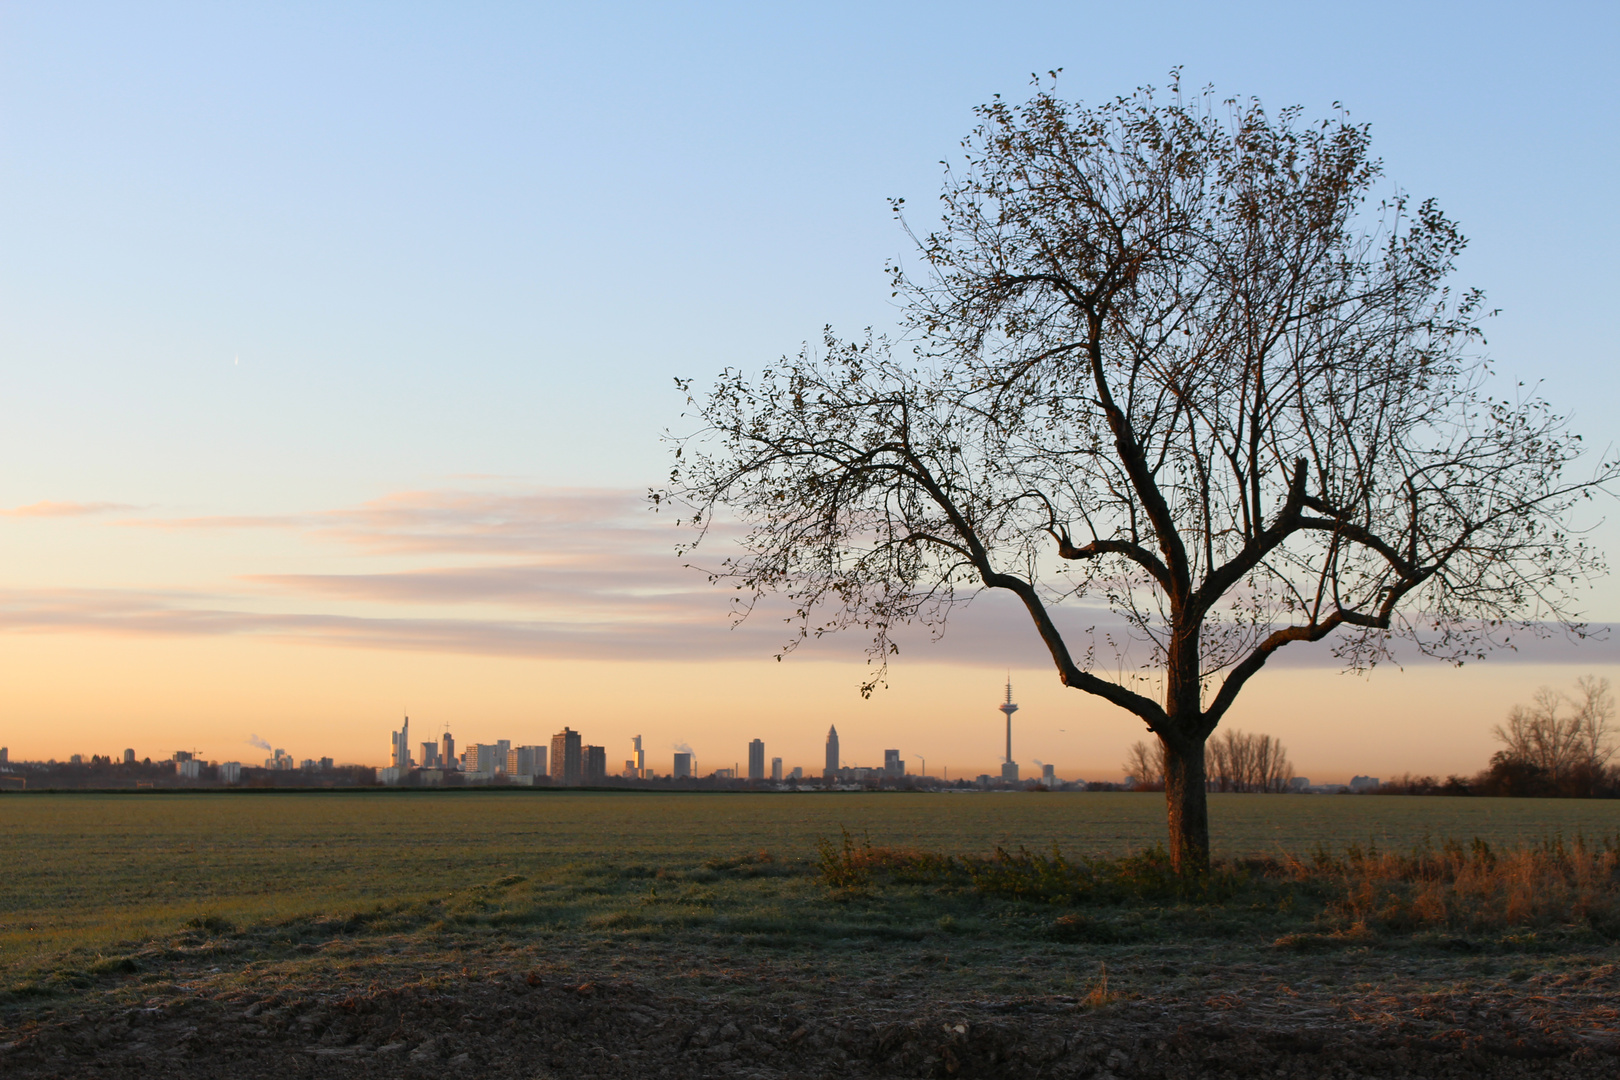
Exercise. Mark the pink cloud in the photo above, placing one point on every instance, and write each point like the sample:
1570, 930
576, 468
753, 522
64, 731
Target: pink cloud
557, 573
979, 636
548, 522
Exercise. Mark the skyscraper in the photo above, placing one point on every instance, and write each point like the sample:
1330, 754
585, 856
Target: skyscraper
776, 769
1009, 767
430, 755
486, 758
402, 745
639, 762
831, 772
447, 749
565, 757
529, 761
129, 756
593, 764
756, 760
892, 765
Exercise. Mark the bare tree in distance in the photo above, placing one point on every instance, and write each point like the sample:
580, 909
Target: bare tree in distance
1144, 765
1171, 358
1239, 761
1569, 739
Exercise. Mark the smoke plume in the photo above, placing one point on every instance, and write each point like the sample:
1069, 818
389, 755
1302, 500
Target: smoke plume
254, 740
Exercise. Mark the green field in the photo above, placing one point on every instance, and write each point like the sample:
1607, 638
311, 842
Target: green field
98, 872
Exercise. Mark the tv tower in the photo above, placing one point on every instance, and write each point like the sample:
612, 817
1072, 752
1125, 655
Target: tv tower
1009, 767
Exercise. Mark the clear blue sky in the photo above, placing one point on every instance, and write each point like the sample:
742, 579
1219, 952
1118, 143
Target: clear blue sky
260, 261
480, 238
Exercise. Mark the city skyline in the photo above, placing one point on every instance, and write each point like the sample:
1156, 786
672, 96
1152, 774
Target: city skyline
488, 757
317, 401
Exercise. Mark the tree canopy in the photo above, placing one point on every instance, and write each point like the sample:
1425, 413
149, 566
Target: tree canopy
1176, 358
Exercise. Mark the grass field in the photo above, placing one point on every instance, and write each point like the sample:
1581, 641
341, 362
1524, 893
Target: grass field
92, 873
712, 932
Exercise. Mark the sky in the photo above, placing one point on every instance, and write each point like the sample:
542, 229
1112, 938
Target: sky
337, 344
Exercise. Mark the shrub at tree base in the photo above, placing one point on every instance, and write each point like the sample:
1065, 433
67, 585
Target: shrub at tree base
1455, 888
1053, 879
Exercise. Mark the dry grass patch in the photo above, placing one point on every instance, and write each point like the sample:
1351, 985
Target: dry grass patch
1335, 901
1473, 888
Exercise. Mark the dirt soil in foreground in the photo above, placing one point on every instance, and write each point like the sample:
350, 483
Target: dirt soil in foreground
500, 1015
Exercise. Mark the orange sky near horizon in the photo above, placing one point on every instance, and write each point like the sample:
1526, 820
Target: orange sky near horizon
99, 693
506, 612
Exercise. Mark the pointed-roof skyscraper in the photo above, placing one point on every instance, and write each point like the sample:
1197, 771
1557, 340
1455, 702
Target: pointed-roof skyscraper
831, 772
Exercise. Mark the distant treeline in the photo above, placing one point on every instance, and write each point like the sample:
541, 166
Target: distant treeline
105, 773
1558, 746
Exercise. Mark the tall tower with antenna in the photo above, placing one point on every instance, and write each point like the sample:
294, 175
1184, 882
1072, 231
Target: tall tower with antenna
402, 746
1009, 767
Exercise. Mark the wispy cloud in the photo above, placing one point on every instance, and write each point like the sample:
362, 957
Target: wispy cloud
154, 615
656, 589
981, 637
49, 509
571, 573
551, 522
224, 521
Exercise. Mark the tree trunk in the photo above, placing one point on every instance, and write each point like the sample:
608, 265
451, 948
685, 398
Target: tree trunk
1188, 803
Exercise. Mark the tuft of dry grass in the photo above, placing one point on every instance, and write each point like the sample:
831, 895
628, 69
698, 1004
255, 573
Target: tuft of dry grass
1100, 996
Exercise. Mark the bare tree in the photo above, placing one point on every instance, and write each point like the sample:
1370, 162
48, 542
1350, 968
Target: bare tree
1144, 765
1228, 761
1594, 717
1565, 746
1238, 761
1171, 357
